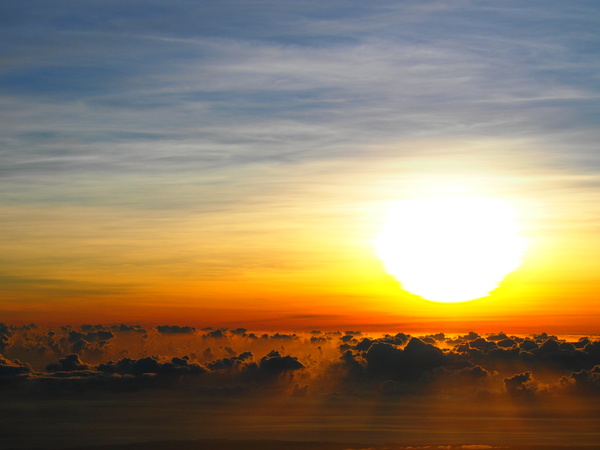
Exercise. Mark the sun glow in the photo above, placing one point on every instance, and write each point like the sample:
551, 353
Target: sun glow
450, 249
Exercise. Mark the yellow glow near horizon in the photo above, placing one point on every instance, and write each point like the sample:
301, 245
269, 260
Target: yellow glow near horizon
450, 249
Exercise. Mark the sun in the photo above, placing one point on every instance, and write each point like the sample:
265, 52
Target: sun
450, 249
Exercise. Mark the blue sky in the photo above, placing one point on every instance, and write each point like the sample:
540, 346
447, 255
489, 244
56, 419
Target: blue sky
150, 88
146, 114
116, 86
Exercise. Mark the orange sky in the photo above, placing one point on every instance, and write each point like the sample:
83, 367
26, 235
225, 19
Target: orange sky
297, 259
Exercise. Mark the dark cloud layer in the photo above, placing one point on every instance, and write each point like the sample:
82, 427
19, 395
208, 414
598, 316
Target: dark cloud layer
473, 363
236, 378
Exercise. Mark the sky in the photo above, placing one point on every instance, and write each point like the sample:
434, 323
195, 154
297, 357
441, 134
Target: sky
230, 163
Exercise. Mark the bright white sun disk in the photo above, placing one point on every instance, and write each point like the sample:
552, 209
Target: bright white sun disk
450, 249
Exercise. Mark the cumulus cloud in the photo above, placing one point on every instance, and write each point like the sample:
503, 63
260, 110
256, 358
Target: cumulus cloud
274, 363
68, 364
152, 365
5, 334
122, 328
91, 336
583, 381
520, 384
386, 360
175, 329
218, 333
230, 363
13, 370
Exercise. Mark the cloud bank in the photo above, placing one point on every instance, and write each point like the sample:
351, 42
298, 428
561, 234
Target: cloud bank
495, 363
130, 365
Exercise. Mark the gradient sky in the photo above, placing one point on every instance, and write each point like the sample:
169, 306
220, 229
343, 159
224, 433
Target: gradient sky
230, 162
